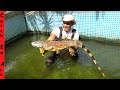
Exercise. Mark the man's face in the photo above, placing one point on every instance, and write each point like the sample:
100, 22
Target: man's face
67, 25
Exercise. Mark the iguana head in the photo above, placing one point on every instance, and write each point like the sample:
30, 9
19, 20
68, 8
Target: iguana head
38, 44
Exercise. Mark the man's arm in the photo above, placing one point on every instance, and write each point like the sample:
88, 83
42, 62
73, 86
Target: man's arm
51, 37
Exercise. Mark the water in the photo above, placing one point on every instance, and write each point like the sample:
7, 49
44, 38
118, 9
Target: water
22, 61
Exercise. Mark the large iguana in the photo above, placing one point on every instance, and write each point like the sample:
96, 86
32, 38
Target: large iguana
63, 44
56, 45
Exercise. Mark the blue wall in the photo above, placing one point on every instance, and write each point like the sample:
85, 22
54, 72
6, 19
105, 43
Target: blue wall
104, 24
14, 24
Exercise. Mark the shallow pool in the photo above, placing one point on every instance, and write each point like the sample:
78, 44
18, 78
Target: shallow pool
22, 61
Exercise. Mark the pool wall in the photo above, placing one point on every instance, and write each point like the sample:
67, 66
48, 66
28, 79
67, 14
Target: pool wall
15, 25
97, 24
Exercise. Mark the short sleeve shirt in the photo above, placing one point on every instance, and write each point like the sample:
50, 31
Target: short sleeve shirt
67, 35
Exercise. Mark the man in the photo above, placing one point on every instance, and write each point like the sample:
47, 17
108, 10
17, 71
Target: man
66, 31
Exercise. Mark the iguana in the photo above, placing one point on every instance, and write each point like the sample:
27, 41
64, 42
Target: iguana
63, 44
56, 45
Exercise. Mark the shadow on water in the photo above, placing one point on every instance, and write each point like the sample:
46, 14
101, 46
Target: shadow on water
22, 61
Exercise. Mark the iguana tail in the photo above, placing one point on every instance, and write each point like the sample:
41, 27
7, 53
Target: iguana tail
93, 59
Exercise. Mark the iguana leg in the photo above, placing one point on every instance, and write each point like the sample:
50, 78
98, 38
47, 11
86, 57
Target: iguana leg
72, 51
42, 51
57, 52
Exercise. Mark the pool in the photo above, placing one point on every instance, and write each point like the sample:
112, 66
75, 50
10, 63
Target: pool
22, 61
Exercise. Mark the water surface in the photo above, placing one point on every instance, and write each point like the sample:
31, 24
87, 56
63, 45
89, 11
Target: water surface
22, 61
